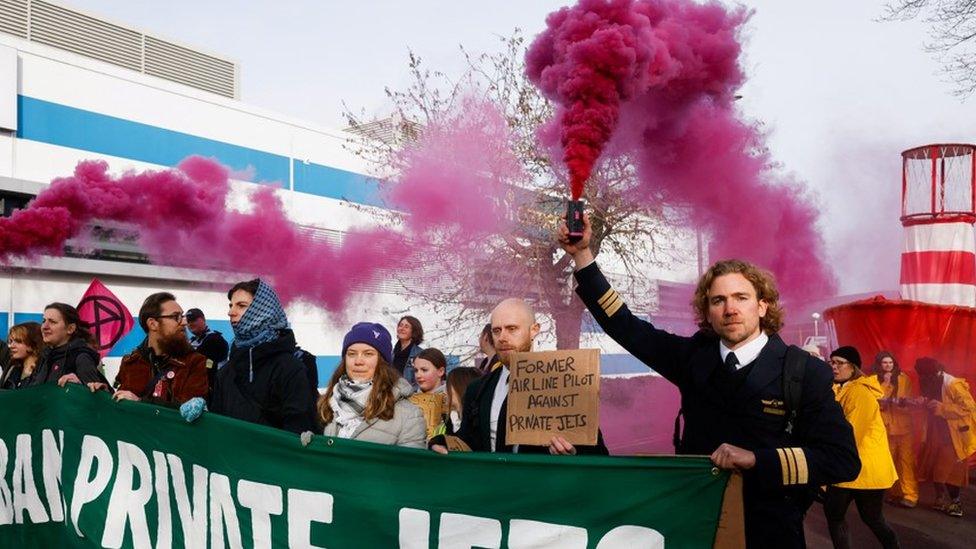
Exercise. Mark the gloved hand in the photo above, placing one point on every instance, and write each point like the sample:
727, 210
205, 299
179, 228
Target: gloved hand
306, 437
193, 409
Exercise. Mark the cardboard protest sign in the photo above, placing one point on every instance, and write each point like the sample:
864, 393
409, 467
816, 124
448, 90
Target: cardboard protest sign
554, 393
455, 444
433, 406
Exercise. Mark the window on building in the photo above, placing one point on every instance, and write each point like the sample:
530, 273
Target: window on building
10, 201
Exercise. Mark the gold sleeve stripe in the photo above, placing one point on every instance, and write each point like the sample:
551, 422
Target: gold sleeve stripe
791, 459
606, 304
803, 474
606, 297
615, 306
784, 466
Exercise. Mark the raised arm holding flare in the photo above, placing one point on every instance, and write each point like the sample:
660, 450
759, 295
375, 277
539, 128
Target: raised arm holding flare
730, 375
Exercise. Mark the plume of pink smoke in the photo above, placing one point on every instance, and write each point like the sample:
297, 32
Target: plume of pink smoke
597, 55
448, 189
457, 175
656, 80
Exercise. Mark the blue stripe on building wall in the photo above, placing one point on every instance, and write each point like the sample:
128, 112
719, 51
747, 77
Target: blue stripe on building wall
609, 363
20, 318
75, 128
335, 183
90, 131
128, 342
135, 336
326, 365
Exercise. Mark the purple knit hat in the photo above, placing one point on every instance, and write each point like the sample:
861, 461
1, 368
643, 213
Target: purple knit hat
372, 334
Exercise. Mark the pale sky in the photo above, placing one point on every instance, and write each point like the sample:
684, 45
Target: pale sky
840, 93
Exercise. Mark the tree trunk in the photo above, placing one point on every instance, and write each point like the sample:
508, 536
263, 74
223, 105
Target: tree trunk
568, 318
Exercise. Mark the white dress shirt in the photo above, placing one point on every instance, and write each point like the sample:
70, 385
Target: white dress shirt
746, 354
501, 393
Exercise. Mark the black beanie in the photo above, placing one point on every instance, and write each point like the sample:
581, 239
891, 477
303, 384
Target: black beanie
849, 354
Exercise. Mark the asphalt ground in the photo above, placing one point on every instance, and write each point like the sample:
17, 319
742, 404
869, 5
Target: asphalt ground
919, 527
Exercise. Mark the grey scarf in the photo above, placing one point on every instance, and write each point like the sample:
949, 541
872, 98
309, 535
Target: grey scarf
348, 402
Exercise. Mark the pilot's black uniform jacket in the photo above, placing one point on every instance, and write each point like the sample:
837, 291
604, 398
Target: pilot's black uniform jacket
745, 409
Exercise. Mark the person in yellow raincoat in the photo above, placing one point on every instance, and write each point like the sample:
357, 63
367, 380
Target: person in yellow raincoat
858, 395
951, 436
896, 411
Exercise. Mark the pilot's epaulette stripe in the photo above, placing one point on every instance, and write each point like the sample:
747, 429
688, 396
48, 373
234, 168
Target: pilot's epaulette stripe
784, 466
794, 464
791, 461
802, 473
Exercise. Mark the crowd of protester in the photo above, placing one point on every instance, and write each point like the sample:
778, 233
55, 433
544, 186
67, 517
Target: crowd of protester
903, 437
263, 376
872, 440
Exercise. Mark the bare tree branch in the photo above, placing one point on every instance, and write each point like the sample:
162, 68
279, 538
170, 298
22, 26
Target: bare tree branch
526, 262
952, 34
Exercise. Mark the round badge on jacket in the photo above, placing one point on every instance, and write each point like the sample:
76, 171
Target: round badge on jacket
170, 375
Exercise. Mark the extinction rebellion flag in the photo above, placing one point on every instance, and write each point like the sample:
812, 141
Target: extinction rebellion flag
106, 316
79, 470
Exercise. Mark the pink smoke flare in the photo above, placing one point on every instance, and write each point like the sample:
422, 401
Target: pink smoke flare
656, 80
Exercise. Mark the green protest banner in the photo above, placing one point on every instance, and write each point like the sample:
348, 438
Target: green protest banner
80, 470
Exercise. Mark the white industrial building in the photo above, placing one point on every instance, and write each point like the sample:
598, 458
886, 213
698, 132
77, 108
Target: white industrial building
75, 86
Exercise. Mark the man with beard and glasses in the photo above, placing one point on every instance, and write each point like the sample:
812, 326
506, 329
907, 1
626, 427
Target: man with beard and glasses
164, 368
513, 328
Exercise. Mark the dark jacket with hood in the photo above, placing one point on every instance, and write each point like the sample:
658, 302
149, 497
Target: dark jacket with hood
266, 384
74, 357
213, 346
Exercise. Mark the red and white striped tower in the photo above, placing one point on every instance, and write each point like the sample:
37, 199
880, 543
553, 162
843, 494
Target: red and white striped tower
938, 209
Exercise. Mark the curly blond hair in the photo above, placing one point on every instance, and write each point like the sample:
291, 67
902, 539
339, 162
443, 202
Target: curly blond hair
762, 281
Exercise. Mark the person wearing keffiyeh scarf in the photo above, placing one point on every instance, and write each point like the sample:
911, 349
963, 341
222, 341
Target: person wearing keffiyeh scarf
263, 381
261, 321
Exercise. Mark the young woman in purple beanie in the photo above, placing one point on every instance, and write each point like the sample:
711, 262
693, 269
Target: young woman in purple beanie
367, 399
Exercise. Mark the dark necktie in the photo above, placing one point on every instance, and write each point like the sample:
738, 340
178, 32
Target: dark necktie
731, 361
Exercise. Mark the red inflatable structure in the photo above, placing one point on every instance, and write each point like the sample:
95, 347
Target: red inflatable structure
910, 330
936, 316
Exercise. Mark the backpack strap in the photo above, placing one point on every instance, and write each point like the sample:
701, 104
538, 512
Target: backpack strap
793, 369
